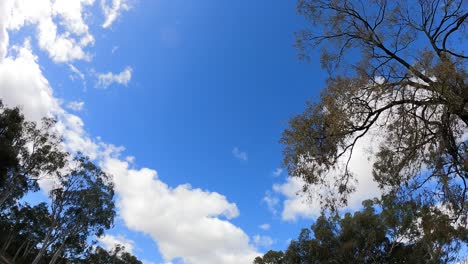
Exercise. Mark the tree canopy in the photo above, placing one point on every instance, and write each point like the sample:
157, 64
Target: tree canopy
115, 256
398, 77
27, 152
81, 198
382, 232
397, 72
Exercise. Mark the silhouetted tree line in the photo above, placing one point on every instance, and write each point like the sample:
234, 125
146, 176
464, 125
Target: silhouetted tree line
80, 203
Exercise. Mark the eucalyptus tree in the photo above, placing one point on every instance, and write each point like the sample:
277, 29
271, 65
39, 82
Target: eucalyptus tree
22, 227
81, 197
27, 153
386, 231
82, 205
397, 69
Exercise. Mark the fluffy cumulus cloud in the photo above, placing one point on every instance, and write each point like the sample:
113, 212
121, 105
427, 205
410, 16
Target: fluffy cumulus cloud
107, 79
297, 204
109, 242
186, 223
60, 27
264, 226
112, 10
22, 84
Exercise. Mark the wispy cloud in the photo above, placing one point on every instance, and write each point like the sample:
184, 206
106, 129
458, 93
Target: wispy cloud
277, 172
76, 72
75, 105
264, 226
238, 154
107, 79
263, 241
271, 201
113, 10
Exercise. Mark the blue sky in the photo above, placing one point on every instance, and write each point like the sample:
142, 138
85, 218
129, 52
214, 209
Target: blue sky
209, 88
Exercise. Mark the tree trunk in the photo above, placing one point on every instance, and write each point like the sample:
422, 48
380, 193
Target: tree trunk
8, 242
27, 249
5, 194
57, 254
3, 198
19, 250
43, 248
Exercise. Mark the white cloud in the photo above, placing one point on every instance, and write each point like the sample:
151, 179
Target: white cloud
60, 25
297, 204
4, 7
277, 172
263, 241
49, 18
109, 242
271, 201
71, 13
145, 261
22, 84
186, 223
113, 10
75, 105
242, 155
265, 226
106, 79
130, 159
76, 72
71, 127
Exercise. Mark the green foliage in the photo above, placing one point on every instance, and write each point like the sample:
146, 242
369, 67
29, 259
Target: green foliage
21, 229
271, 257
115, 256
81, 203
387, 231
398, 81
81, 206
26, 153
